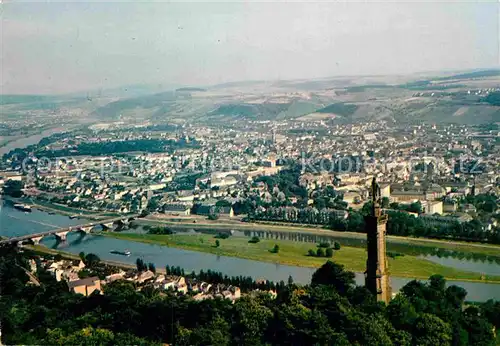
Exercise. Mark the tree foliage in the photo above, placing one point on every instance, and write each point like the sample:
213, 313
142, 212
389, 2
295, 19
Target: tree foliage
13, 188
330, 311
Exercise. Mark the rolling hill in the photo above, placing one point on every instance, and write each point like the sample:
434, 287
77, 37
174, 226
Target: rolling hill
424, 99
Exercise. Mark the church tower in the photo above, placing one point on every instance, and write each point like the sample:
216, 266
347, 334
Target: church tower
377, 270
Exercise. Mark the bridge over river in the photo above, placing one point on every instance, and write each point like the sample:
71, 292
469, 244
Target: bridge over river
61, 233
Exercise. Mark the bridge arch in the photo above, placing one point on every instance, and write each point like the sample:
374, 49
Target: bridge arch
61, 234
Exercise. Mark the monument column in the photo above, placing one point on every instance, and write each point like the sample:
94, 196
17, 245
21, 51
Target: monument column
377, 273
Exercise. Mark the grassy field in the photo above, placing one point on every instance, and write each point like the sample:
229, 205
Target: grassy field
295, 253
479, 248
45, 250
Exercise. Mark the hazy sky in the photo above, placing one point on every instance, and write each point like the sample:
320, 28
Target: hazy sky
59, 47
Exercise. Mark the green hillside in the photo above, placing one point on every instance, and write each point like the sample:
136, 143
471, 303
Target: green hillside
493, 98
261, 110
114, 109
344, 109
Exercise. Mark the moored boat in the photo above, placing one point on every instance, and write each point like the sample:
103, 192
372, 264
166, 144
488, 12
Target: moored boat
22, 207
123, 253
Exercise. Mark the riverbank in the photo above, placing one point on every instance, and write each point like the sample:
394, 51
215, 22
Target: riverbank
60, 209
295, 253
467, 247
22, 141
68, 211
68, 255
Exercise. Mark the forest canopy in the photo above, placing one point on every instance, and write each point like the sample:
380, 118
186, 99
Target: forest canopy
332, 310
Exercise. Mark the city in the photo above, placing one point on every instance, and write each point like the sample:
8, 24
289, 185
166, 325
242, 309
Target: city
348, 210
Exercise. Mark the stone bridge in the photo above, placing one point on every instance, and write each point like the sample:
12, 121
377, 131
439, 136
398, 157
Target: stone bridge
62, 233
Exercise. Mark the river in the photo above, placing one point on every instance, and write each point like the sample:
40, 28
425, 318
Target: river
14, 222
26, 141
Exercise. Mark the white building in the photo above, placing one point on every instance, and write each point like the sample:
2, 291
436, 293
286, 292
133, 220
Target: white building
435, 207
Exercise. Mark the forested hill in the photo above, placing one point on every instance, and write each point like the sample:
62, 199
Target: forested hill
459, 98
329, 311
493, 98
118, 108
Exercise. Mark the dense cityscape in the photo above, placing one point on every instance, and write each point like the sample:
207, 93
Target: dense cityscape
444, 176
277, 191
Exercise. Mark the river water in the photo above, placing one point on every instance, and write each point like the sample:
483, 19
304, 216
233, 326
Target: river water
26, 141
14, 222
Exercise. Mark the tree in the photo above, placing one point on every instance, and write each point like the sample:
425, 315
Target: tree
84, 273
320, 252
401, 313
141, 266
151, 267
294, 324
254, 240
385, 202
479, 329
311, 253
276, 248
87, 336
215, 332
160, 230
415, 207
217, 243
91, 259
334, 275
144, 213
213, 216
152, 205
430, 330
250, 321
329, 252
367, 208
455, 295
491, 310
355, 222
336, 246
13, 188
372, 329
130, 339
437, 282
330, 311
223, 203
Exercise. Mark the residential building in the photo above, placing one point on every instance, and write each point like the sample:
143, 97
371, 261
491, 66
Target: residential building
435, 207
177, 209
85, 286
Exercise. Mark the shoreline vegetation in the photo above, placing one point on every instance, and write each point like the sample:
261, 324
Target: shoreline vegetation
295, 253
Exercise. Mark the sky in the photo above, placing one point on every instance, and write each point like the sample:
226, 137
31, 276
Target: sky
63, 47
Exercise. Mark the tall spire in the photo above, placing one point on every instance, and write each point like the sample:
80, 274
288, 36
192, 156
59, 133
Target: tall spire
377, 273
375, 194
